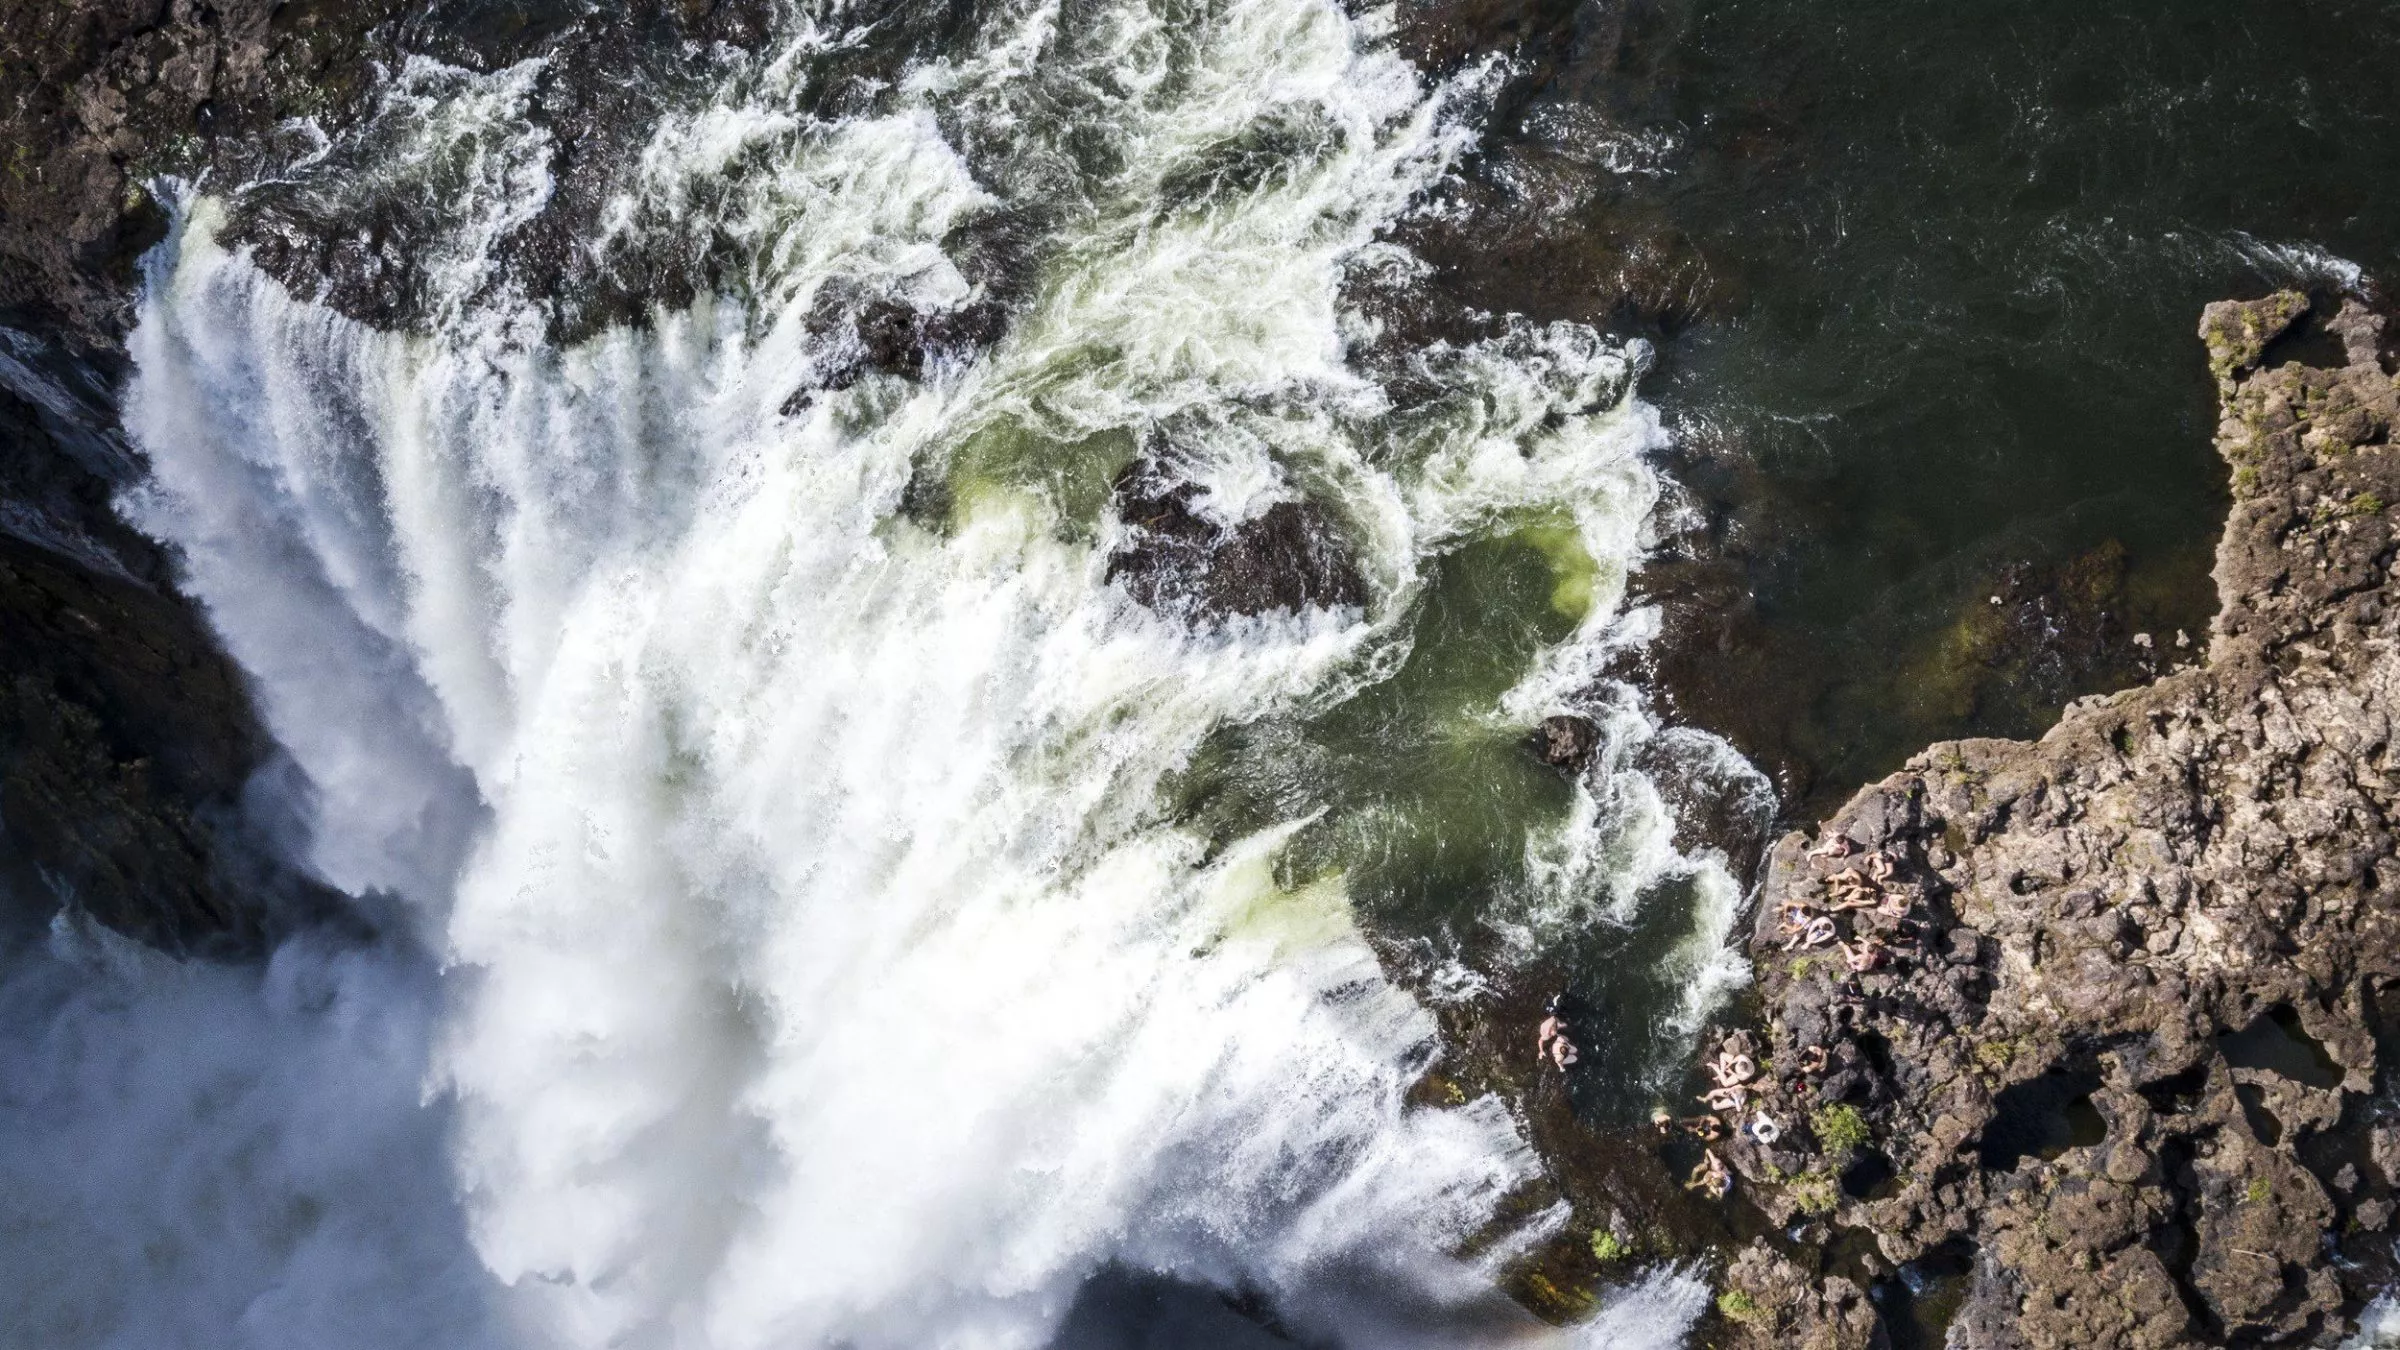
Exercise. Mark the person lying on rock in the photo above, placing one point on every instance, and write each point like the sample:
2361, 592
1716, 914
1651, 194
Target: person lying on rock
1732, 1068
1706, 1129
1815, 933
1726, 1099
1849, 879
1710, 1176
1855, 900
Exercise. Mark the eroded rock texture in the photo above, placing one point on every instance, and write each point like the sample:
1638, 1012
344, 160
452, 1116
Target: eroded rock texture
102, 94
128, 745
1289, 556
2093, 1019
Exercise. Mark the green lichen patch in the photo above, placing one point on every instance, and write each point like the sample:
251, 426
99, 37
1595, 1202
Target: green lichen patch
1736, 1305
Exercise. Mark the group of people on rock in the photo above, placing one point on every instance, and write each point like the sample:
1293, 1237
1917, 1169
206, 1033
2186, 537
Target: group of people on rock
1867, 894
1880, 914
1878, 909
1734, 1071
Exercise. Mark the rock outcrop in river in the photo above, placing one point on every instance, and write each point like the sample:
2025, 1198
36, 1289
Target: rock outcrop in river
2091, 1022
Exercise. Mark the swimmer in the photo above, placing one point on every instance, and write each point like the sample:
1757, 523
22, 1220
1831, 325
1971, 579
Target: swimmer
1551, 1039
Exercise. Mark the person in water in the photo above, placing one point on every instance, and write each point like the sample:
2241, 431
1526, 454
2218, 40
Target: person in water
1551, 1039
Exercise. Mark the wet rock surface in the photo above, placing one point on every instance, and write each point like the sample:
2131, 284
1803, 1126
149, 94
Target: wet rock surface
586, 236
2101, 1009
130, 755
860, 336
1566, 741
1289, 556
104, 94
345, 227
127, 740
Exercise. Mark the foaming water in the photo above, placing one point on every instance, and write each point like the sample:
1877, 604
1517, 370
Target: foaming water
824, 962
202, 1156
2378, 1326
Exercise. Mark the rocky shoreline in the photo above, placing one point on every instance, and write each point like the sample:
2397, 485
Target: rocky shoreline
2081, 1035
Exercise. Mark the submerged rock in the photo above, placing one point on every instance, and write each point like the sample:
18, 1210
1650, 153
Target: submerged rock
2017, 991
1288, 557
2037, 635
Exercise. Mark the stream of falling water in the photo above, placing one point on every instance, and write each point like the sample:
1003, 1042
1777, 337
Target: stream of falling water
820, 961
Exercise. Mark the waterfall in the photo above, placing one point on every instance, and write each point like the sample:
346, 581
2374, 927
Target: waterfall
822, 955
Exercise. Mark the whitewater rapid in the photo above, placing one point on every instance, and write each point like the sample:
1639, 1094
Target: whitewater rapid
815, 960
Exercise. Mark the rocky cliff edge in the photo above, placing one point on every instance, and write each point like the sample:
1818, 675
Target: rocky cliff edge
2078, 1038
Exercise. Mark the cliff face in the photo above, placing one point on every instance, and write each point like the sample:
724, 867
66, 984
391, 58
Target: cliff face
127, 739
2092, 1022
104, 93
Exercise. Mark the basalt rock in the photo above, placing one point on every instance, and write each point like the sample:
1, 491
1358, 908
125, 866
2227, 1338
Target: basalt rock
1773, 1304
127, 739
2101, 1007
103, 94
340, 225
1175, 558
856, 337
129, 748
591, 241
1566, 741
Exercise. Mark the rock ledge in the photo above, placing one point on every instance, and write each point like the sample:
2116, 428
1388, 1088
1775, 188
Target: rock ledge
2078, 1038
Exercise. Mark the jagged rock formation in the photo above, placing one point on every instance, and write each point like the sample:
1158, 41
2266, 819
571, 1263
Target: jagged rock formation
105, 93
1174, 558
2094, 1019
127, 738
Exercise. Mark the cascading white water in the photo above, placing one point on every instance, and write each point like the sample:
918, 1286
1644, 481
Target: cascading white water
820, 964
